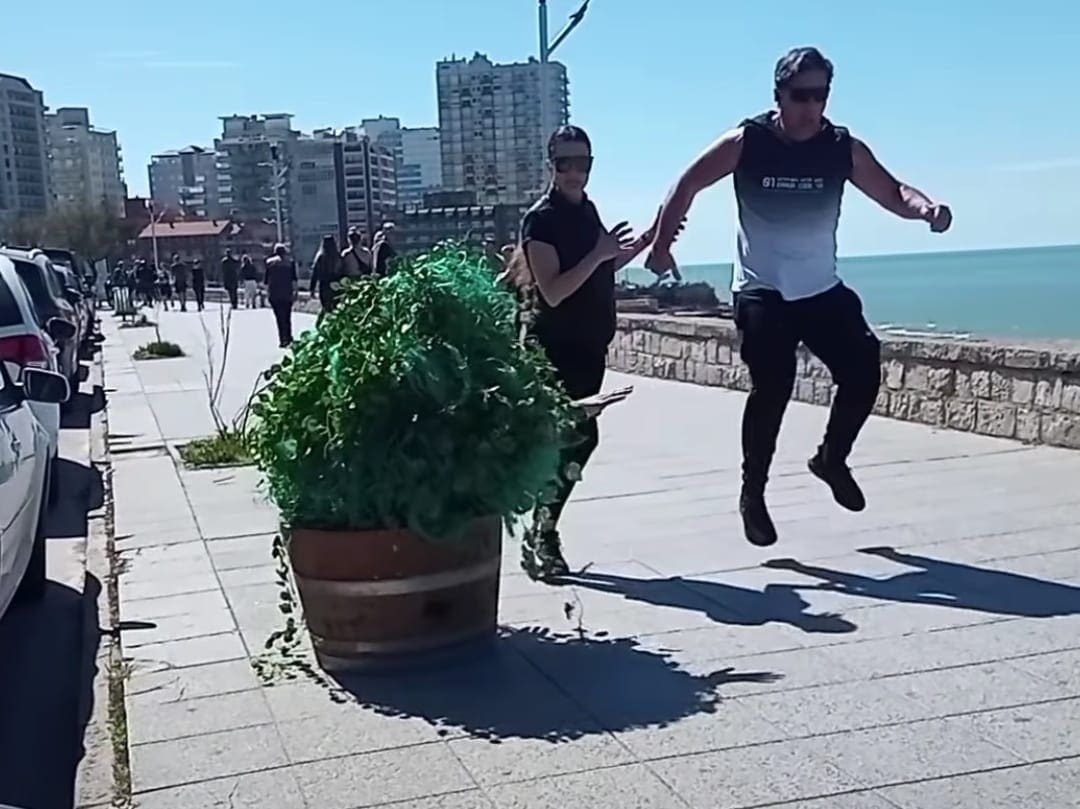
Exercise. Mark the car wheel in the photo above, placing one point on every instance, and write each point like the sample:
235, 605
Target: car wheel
32, 586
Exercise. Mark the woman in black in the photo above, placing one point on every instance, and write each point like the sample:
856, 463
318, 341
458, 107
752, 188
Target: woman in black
326, 272
571, 261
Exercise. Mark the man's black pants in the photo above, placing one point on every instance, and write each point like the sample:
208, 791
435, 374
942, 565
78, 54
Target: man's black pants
199, 288
832, 326
283, 317
581, 372
234, 296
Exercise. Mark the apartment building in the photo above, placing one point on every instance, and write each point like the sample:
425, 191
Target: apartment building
85, 162
186, 180
25, 187
493, 125
417, 153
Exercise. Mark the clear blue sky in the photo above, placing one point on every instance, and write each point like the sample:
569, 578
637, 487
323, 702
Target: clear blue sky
976, 103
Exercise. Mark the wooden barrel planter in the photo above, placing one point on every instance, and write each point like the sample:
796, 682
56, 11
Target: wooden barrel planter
376, 599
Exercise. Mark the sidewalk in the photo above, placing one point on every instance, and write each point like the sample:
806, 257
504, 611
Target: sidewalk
678, 671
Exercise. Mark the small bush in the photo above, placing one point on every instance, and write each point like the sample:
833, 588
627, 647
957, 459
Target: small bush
223, 449
158, 350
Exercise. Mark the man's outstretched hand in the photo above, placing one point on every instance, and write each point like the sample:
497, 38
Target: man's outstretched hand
939, 216
661, 262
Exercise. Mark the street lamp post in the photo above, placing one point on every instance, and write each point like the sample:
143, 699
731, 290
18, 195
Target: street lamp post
547, 47
279, 176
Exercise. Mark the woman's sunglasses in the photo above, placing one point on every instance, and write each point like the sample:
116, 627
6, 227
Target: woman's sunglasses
804, 95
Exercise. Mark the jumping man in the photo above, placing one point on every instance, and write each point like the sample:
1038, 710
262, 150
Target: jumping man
790, 167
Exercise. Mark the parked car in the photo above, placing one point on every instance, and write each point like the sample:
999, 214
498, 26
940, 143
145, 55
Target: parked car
24, 480
25, 344
81, 277
37, 274
75, 294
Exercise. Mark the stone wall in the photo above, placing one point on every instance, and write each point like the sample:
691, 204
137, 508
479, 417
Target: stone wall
1029, 392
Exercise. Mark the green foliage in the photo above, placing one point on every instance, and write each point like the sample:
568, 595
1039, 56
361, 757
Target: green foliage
413, 404
157, 350
228, 448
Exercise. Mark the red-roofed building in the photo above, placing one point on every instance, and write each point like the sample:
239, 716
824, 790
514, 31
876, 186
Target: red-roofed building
204, 239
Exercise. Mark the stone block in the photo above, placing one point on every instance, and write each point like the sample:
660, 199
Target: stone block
1027, 425
960, 414
917, 377
741, 377
714, 375
710, 349
696, 351
902, 405
1070, 397
881, 404
1048, 393
996, 418
723, 354
1000, 386
1061, 430
639, 340
980, 384
683, 369
1026, 358
804, 390
654, 343
894, 374
941, 381
823, 392
675, 325
1065, 361
671, 347
932, 411
962, 385
700, 373
1023, 390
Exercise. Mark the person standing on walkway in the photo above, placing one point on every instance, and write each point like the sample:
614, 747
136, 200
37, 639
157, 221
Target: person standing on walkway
181, 276
572, 259
198, 283
144, 278
356, 259
249, 274
230, 277
164, 286
383, 252
790, 167
326, 273
281, 285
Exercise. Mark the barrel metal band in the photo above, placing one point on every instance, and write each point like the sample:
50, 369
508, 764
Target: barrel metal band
398, 587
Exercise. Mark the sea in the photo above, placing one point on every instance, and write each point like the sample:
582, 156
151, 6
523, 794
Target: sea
1029, 292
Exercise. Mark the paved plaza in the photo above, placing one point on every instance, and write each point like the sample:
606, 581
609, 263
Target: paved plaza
924, 654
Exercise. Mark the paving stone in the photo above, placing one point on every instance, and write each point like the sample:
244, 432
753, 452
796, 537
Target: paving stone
166, 586
1047, 786
832, 708
753, 776
910, 752
272, 788
613, 788
851, 800
151, 682
149, 609
155, 721
1061, 669
1034, 732
382, 777
201, 758
473, 799
193, 652
241, 552
179, 627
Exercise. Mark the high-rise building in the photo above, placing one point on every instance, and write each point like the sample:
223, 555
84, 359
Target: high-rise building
186, 180
25, 188
492, 135
84, 161
417, 153
253, 164
370, 181
443, 215
317, 189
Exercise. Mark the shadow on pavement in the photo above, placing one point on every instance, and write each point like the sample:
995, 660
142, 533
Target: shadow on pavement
947, 584
48, 653
80, 492
725, 603
75, 415
539, 684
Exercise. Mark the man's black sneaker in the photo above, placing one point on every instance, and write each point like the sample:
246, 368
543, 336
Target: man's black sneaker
541, 555
838, 477
757, 523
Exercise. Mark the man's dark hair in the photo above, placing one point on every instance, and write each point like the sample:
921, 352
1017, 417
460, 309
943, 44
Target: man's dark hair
800, 60
567, 134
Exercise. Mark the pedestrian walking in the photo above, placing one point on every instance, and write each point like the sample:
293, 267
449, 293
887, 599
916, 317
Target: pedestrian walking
326, 273
144, 280
790, 166
572, 259
383, 252
181, 276
198, 283
281, 287
230, 277
356, 258
249, 275
164, 287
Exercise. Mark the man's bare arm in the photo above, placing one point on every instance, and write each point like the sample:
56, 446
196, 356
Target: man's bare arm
717, 162
553, 285
874, 180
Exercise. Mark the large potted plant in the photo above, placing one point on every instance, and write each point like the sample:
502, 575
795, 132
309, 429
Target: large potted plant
397, 440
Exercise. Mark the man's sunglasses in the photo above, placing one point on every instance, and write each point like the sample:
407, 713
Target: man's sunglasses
804, 95
580, 164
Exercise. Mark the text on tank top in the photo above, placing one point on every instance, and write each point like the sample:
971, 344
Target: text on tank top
788, 196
